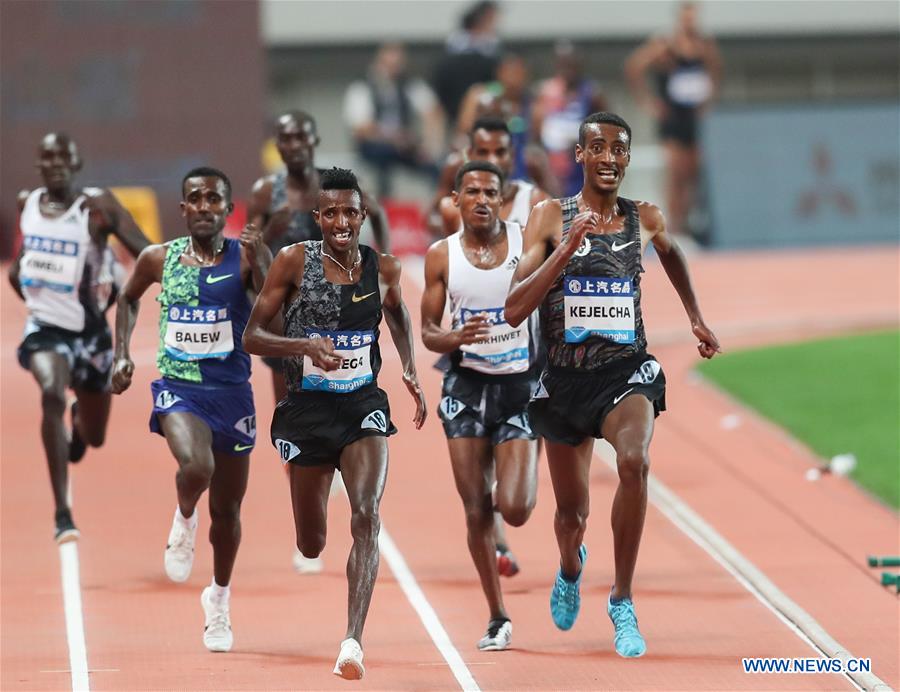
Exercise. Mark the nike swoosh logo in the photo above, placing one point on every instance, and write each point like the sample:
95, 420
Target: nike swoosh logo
622, 396
210, 279
240, 447
616, 247
357, 298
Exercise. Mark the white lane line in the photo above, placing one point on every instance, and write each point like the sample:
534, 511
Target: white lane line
416, 597
749, 576
420, 604
71, 585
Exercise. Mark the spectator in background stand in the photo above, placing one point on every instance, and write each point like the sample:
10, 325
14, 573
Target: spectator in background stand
563, 101
688, 72
395, 119
472, 55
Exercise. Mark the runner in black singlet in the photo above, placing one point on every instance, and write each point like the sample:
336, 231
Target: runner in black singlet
582, 265
332, 293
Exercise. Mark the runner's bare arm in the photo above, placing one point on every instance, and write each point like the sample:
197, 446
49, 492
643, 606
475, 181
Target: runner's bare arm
434, 298
672, 259
450, 219
378, 219
435, 220
117, 220
257, 255
259, 201
14, 268
147, 270
636, 67
14, 274
279, 287
538, 269
397, 317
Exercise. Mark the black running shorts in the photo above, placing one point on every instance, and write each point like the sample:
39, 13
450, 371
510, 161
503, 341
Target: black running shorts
473, 407
89, 353
571, 406
312, 428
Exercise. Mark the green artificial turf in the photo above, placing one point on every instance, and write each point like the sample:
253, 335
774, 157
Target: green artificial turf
836, 395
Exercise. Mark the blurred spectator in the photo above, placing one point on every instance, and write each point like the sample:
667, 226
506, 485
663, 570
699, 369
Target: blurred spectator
395, 118
563, 101
509, 97
687, 70
472, 54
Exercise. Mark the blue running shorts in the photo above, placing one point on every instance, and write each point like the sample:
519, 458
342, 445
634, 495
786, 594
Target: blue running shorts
227, 410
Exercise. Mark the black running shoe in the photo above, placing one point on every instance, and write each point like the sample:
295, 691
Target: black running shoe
77, 447
498, 635
65, 527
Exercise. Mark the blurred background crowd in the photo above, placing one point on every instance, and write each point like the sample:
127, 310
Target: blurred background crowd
755, 123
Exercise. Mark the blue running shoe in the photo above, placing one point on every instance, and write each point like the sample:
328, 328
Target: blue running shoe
565, 599
628, 639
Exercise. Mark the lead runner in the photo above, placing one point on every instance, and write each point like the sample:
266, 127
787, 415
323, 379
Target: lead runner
582, 266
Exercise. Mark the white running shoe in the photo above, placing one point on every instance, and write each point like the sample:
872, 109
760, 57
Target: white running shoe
337, 485
180, 547
217, 634
349, 663
497, 637
307, 565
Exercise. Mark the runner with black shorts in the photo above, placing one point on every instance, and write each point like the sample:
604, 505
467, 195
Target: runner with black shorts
486, 390
203, 403
331, 294
582, 266
68, 276
490, 140
282, 205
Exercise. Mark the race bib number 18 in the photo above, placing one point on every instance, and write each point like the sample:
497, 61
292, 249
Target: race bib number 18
355, 369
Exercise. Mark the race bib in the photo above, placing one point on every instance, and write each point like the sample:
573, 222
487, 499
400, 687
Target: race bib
598, 306
690, 87
505, 350
49, 263
355, 369
198, 333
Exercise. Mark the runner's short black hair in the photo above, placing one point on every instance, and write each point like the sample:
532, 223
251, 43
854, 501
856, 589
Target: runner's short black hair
207, 172
489, 123
470, 166
603, 117
339, 179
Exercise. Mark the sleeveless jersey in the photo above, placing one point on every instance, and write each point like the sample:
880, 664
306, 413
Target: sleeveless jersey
203, 314
521, 206
591, 317
54, 258
302, 226
687, 86
475, 291
347, 314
